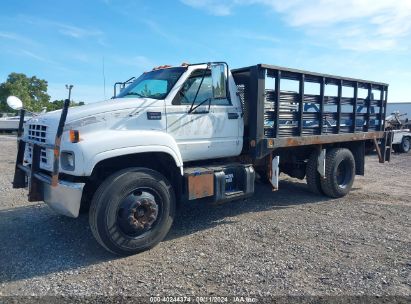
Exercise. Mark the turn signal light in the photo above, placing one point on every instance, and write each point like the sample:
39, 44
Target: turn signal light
74, 136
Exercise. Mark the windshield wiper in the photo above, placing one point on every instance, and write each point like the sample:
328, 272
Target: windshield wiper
134, 93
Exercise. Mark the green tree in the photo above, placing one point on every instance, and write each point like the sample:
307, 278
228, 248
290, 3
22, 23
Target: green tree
31, 90
58, 104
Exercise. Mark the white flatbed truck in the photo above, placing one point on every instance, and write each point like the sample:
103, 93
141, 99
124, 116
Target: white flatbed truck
196, 131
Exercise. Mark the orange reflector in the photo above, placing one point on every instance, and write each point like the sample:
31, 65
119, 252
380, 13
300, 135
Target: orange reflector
74, 136
270, 143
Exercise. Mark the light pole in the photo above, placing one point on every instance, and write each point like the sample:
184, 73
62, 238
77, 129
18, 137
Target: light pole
69, 87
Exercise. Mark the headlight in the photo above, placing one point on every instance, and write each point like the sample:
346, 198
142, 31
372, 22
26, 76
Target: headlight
67, 160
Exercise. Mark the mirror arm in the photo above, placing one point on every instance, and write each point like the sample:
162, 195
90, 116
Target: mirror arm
201, 103
228, 83
198, 90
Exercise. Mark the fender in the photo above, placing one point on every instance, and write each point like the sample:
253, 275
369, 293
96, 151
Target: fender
101, 145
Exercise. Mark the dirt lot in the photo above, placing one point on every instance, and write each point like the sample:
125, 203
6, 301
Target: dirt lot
276, 243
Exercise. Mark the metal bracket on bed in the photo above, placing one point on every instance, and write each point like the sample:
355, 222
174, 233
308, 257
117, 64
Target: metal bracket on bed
275, 172
321, 163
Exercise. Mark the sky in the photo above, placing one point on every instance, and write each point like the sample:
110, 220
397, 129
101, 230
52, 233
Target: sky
92, 44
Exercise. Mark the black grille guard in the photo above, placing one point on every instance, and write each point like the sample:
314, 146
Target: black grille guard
23, 176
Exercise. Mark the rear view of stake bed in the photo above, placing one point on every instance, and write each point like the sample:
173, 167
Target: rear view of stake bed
197, 131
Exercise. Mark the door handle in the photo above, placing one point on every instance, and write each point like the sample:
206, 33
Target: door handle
233, 116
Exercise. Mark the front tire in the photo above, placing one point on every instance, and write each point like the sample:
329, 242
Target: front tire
339, 173
132, 211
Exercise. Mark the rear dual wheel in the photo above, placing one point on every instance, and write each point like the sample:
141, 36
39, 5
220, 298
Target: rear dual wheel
312, 175
339, 173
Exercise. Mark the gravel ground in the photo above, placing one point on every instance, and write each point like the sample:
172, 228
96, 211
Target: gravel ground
288, 242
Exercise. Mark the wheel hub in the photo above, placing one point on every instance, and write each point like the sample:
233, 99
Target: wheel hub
143, 213
138, 213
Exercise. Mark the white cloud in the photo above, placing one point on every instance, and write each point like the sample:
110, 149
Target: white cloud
215, 7
34, 56
17, 38
360, 25
66, 29
160, 31
77, 32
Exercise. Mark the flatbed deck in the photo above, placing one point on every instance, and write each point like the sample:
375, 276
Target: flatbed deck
318, 109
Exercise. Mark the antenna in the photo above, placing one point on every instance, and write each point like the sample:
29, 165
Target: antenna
104, 80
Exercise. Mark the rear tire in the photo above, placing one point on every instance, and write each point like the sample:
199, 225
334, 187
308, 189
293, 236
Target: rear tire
405, 145
132, 211
339, 173
312, 175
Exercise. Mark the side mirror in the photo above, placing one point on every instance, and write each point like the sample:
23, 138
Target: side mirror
14, 102
219, 80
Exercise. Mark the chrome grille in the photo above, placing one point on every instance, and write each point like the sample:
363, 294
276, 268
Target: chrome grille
37, 133
43, 154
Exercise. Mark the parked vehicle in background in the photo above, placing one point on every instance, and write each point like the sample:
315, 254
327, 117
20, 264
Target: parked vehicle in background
9, 123
197, 131
401, 141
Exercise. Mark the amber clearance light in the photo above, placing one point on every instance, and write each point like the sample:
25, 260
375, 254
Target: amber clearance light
74, 136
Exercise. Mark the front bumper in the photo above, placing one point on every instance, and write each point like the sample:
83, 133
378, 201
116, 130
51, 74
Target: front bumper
64, 198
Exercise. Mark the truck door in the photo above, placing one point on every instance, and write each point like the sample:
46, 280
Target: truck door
212, 129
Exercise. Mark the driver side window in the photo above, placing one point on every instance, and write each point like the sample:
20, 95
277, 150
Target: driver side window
189, 90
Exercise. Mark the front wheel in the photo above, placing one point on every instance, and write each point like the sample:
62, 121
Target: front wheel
339, 173
132, 211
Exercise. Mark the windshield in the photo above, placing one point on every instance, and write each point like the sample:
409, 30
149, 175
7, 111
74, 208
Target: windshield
155, 84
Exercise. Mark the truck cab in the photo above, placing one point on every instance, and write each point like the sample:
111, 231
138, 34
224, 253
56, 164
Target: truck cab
172, 110
203, 124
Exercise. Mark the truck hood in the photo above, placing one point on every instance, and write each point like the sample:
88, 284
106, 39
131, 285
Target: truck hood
112, 105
